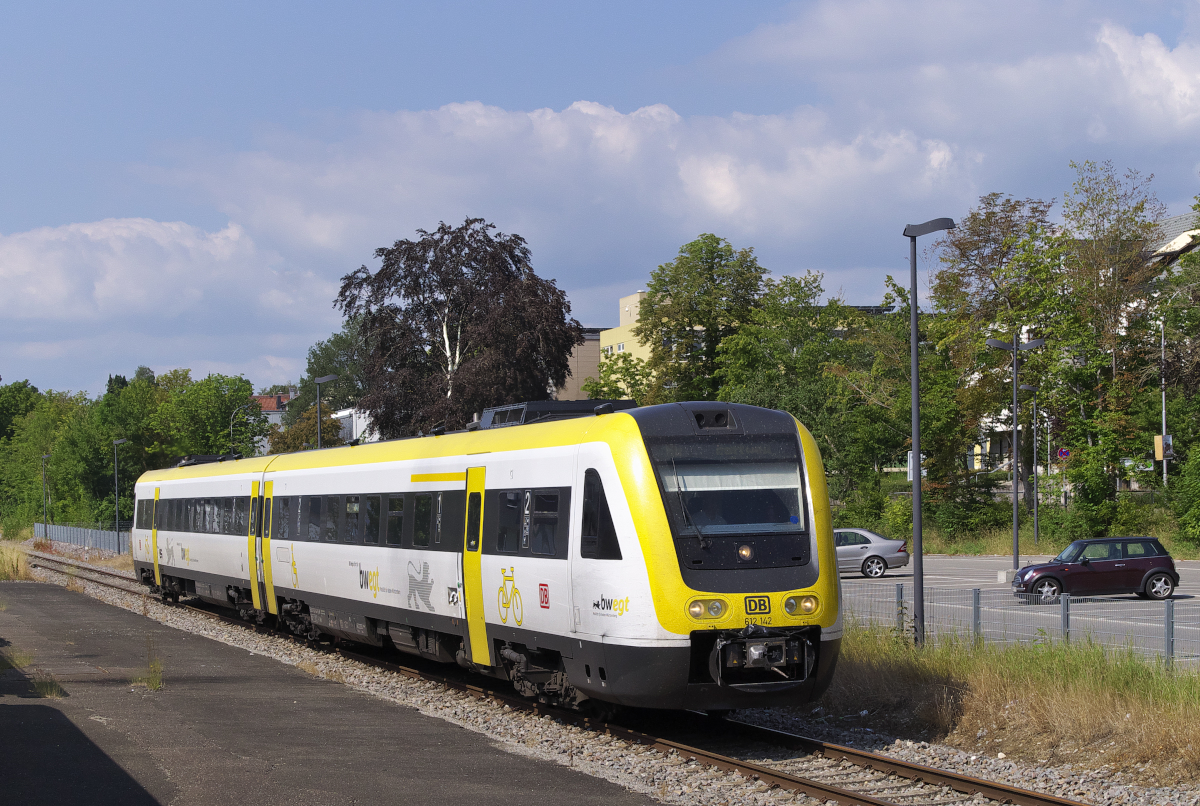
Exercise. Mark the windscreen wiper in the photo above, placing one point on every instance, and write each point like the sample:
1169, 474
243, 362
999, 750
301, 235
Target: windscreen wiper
704, 541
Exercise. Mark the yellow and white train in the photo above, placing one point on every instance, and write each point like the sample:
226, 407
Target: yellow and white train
674, 556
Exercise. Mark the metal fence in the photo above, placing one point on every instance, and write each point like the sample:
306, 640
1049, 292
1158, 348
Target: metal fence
105, 539
1167, 629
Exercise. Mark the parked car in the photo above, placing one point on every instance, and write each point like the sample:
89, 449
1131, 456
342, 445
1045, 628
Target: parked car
871, 554
1103, 566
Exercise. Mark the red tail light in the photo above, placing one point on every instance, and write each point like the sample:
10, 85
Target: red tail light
903, 549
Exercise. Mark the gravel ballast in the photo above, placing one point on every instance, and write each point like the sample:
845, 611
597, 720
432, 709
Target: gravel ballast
668, 779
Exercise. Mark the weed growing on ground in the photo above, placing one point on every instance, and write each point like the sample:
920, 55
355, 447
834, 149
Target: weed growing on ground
153, 679
1046, 701
46, 686
13, 563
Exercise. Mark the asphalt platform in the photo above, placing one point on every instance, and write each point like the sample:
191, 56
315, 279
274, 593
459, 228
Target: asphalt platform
229, 727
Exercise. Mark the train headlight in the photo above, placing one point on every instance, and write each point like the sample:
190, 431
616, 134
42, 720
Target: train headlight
746, 553
804, 605
707, 608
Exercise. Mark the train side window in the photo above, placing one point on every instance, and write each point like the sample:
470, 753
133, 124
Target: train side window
371, 525
266, 518
283, 519
329, 526
508, 535
241, 515
437, 532
395, 519
351, 532
296, 521
474, 510
192, 515
226, 517
422, 519
314, 517
545, 523
599, 535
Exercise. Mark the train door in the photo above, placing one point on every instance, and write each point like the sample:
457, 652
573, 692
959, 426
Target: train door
154, 541
254, 549
478, 647
264, 551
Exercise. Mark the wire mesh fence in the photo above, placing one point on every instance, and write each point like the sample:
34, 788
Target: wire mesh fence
105, 539
1167, 629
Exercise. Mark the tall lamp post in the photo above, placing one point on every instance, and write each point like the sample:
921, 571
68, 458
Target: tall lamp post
1034, 389
45, 523
231, 416
117, 488
1015, 348
912, 232
318, 382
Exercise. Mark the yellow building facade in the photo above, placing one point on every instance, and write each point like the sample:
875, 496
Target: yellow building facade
621, 339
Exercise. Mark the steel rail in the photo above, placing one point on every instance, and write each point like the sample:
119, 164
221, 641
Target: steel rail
917, 773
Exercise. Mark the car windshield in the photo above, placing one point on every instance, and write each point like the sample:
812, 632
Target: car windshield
1070, 554
731, 486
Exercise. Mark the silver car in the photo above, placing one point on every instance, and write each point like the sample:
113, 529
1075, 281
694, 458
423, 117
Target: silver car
871, 554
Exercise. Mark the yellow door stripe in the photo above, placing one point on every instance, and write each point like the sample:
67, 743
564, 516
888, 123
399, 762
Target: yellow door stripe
154, 542
251, 554
272, 604
419, 477
473, 572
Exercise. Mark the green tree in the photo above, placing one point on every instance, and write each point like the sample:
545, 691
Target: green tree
622, 376
342, 354
16, 400
303, 435
692, 304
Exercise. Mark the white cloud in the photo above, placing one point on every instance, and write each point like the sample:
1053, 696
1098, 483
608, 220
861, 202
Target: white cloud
104, 296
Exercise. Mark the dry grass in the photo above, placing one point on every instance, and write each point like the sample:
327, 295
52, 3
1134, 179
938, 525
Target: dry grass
13, 562
1048, 702
43, 545
311, 668
46, 686
119, 562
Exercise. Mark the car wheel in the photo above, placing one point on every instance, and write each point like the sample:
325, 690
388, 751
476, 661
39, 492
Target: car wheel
1160, 586
1047, 590
874, 567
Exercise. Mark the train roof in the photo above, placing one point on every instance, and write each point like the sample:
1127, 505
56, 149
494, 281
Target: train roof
669, 419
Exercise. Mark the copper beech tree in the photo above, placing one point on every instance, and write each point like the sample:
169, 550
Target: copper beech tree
456, 320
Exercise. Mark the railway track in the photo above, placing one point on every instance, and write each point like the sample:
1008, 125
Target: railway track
824, 771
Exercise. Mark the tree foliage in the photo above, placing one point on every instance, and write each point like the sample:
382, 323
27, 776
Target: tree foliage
456, 321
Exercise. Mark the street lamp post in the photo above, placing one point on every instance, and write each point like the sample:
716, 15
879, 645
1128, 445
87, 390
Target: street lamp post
117, 487
1034, 389
318, 382
231, 416
912, 232
1162, 379
45, 523
1015, 349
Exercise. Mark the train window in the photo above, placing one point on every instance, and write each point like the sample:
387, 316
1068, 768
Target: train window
195, 514
395, 524
437, 532
227, 517
329, 526
371, 524
296, 519
241, 505
283, 520
351, 533
599, 535
545, 522
266, 518
508, 538
474, 510
314, 517
422, 519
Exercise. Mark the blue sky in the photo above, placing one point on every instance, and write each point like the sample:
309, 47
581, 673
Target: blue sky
184, 186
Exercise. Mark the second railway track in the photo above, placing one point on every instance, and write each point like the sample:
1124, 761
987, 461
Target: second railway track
827, 772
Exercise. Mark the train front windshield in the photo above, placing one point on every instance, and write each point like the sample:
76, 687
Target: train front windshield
745, 485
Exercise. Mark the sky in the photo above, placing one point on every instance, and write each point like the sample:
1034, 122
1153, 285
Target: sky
184, 185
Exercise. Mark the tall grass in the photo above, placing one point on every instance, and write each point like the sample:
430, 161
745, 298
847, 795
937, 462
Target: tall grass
13, 564
1049, 701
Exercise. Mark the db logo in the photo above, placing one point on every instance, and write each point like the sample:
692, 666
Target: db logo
544, 596
758, 604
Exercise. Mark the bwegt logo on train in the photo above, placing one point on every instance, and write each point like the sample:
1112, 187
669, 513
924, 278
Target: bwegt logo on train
759, 605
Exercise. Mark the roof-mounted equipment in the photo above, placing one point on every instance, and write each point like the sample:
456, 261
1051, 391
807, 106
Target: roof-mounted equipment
541, 411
